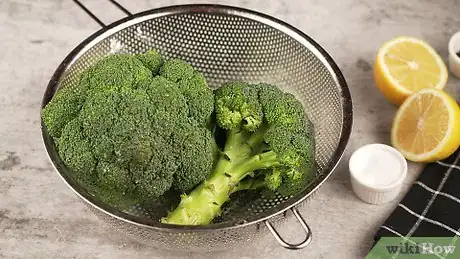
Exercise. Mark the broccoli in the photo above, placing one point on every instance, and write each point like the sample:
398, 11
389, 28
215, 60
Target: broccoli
192, 145
269, 144
75, 151
120, 128
63, 108
152, 60
127, 133
115, 72
138, 126
111, 73
193, 86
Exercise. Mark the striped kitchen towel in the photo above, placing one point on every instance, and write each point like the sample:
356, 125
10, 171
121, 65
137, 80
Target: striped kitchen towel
431, 207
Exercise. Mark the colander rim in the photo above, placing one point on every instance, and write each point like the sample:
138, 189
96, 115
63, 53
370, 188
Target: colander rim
347, 110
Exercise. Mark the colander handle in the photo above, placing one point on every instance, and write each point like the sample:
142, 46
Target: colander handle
287, 245
95, 18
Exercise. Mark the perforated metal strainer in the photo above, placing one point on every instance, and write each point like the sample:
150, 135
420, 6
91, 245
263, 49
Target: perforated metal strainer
224, 43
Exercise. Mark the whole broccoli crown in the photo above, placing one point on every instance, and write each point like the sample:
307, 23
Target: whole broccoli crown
194, 147
152, 60
130, 136
176, 70
237, 106
63, 108
115, 72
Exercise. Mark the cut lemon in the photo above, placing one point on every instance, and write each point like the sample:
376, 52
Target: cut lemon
426, 127
405, 65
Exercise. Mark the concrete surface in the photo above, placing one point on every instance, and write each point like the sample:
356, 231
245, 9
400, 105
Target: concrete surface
41, 218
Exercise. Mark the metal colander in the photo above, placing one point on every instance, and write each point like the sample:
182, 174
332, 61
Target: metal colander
224, 43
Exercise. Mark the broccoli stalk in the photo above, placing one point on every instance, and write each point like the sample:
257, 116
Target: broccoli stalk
204, 202
268, 144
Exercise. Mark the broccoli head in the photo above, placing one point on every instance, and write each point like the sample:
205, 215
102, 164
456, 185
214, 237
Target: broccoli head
128, 134
269, 144
116, 132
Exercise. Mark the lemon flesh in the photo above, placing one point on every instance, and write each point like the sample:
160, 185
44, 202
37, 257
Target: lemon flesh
405, 65
426, 127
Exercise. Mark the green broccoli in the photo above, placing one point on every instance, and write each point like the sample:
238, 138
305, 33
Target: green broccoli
138, 126
152, 60
111, 73
126, 133
196, 150
115, 72
269, 143
75, 151
193, 86
176, 70
63, 108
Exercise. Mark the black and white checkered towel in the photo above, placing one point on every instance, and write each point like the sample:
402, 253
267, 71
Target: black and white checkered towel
431, 208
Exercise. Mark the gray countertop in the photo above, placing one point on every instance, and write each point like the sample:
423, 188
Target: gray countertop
41, 218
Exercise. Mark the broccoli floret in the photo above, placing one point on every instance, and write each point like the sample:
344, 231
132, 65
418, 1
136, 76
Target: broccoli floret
193, 86
295, 180
199, 96
113, 177
76, 152
127, 134
195, 148
63, 108
115, 72
269, 144
109, 182
154, 174
238, 107
176, 70
98, 117
162, 94
152, 60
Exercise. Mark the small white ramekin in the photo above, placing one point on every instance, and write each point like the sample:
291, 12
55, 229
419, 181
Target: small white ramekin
454, 59
383, 191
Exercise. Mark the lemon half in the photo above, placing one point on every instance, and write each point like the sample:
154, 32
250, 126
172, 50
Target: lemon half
405, 65
426, 127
